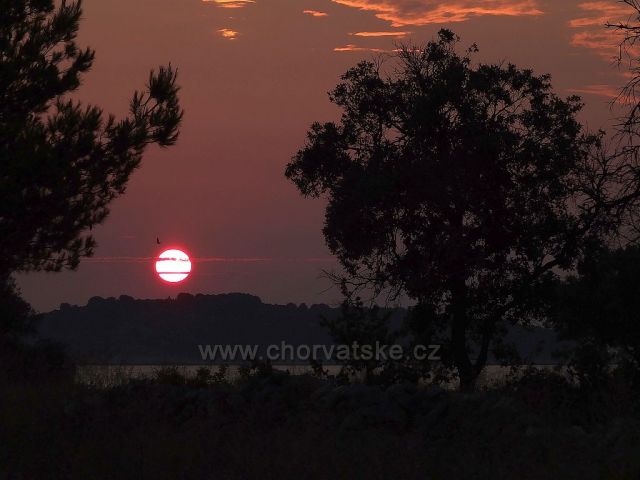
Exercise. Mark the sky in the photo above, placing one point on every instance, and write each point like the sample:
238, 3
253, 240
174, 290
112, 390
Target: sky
254, 75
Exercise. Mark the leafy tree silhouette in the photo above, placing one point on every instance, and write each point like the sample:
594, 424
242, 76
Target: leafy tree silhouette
62, 163
598, 306
360, 326
466, 187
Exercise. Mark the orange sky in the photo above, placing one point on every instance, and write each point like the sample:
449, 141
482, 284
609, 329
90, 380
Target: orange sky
254, 75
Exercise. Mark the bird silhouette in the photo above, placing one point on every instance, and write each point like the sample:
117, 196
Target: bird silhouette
157, 240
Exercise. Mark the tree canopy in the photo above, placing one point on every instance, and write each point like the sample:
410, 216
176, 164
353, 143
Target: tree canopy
466, 186
61, 162
598, 305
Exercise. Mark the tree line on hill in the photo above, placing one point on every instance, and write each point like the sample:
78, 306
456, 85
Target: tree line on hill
169, 331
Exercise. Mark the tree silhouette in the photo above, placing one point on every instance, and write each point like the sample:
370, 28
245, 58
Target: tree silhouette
62, 163
358, 325
628, 125
598, 307
630, 31
465, 187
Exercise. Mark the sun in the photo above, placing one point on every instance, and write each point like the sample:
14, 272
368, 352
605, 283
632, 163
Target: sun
173, 265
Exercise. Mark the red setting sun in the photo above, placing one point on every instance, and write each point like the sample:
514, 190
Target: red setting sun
173, 266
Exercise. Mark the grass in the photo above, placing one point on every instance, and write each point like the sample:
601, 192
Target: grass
266, 425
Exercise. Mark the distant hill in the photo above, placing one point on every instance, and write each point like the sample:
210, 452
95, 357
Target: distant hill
131, 331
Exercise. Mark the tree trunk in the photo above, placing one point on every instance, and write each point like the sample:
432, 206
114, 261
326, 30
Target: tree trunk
466, 370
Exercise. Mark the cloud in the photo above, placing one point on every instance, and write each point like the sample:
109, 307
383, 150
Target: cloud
592, 32
354, 48
211, 260
606, 44
601, 12
411, 12
315, 13
380, 34
228, 33
194, 259
599, 90
118, 259
230, 3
